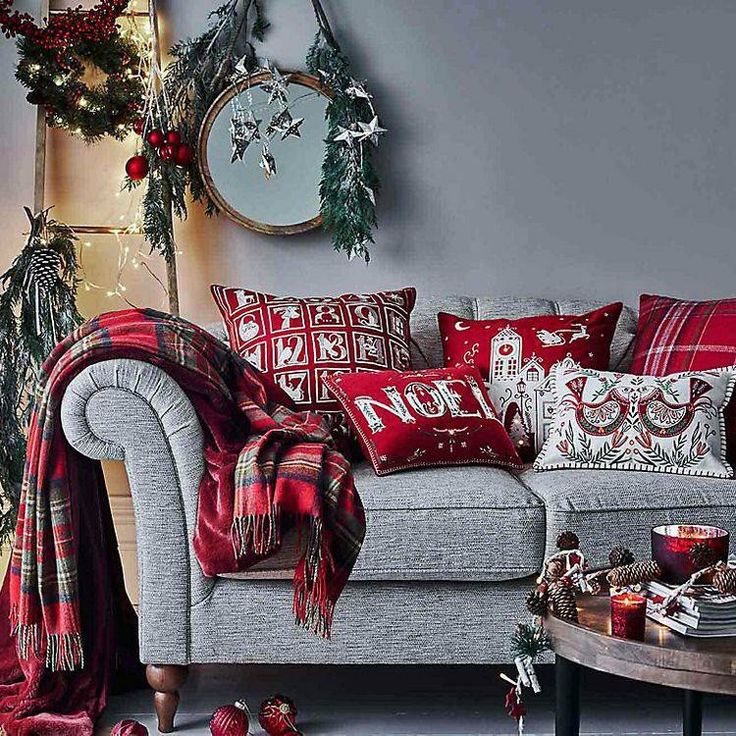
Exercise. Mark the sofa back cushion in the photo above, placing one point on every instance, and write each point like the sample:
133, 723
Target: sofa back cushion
427, 344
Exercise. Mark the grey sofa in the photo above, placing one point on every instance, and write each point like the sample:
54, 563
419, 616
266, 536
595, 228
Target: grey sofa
449, 552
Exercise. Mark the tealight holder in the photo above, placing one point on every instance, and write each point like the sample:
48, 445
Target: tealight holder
628, 616
673, 543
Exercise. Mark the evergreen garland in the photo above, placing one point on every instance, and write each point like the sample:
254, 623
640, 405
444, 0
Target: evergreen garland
349, 182
200, 70
24, 347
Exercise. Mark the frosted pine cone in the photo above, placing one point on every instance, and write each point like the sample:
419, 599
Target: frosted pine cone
620, 556
724, 581
562, 601
703, 555
636, 572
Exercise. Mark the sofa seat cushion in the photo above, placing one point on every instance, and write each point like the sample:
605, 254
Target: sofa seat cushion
469, 523
610, 507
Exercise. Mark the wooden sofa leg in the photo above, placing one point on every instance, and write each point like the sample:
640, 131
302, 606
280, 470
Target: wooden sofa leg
166, 679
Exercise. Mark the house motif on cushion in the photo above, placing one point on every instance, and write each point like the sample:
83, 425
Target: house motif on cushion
520, 387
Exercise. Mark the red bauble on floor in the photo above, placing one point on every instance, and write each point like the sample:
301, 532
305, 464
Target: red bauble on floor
230, 720
137, 168
129, 727
277, 716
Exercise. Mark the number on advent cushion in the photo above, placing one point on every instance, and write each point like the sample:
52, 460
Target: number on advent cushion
414, 419
516, 357
300, 341
616, 421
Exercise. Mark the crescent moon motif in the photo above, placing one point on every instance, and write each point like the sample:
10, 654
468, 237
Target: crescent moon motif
460, 328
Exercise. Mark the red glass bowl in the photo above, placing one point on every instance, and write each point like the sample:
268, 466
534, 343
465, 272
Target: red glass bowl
672, 543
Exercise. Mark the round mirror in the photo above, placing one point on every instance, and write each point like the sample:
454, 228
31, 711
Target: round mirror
261, 149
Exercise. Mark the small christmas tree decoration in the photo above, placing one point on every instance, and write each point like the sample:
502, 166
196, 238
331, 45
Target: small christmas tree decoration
536, 602
137, 168
633, 574
230, 720
703, 555
567, 540
129, 727
724, 581
620, 556
561, 599
277, 716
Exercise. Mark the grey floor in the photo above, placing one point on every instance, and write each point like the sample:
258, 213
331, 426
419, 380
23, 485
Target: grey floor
410, 701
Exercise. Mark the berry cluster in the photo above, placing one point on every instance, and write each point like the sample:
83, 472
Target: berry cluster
63, 29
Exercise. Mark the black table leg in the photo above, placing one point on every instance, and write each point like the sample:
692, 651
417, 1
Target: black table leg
567, 697
692, 713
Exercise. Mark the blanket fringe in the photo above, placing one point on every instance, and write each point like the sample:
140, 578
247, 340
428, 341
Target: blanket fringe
259, 533
63, 651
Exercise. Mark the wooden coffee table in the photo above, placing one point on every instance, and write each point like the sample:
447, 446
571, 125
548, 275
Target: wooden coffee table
665, 658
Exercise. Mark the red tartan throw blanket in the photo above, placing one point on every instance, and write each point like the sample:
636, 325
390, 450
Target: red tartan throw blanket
268, 469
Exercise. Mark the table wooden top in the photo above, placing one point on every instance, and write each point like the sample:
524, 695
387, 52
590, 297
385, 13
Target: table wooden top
664, 657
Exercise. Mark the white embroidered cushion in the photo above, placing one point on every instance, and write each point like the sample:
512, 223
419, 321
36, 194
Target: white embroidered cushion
668, 424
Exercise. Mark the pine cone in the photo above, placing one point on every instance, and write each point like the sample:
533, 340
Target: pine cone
724, 581
554, 570
536, 602
620, 556
703, 555
562, 601
568, 540
636, 572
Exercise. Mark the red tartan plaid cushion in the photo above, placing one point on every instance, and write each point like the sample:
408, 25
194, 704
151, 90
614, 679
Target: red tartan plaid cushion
299, 342
440, 416
675, 335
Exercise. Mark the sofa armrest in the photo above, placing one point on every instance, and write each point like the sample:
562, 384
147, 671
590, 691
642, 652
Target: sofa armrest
133, 411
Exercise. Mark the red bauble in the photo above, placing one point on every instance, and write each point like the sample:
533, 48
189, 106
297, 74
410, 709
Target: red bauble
230, 720
184, 155
137, 168
173, 137
167, 152
139, 125
156, 138
129, 727
277, 716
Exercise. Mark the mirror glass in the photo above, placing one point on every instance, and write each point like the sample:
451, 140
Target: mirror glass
279, 195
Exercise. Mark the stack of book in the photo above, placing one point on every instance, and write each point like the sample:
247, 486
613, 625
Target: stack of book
702, 612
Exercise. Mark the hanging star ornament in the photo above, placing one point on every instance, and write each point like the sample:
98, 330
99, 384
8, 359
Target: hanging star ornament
347, 135
279, 123
371, 131
357, 89
244, 129
276, 87
293, 129
267, 162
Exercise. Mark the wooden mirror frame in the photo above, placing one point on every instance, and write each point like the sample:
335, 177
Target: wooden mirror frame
235, 88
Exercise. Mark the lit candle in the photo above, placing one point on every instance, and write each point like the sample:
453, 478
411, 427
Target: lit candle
628, 615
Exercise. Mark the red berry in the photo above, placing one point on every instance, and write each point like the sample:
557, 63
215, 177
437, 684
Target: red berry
137, 168
138, 126
173, 137
184, 155
167, 152
156, 138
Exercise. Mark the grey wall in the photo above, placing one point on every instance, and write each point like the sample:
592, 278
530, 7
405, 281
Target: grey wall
550, 147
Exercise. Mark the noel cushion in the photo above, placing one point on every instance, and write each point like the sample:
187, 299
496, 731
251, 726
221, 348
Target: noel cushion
414, 419
301, 341
677, 335
672, 424
516, 357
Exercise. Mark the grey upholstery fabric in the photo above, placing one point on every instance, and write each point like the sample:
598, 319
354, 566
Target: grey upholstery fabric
129, 410
454, 523
426, 333
610, 507
375, 623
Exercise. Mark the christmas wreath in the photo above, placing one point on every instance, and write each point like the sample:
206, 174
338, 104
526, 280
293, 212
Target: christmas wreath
79, 68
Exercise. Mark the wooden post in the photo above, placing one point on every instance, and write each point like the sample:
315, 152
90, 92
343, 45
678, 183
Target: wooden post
39, 172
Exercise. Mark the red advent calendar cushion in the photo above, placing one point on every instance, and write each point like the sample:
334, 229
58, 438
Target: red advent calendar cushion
299, 342
440, 416
674, 335
516, 358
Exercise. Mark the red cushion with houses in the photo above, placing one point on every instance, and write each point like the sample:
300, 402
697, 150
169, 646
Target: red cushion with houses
516, 358
300, 341
414, 419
